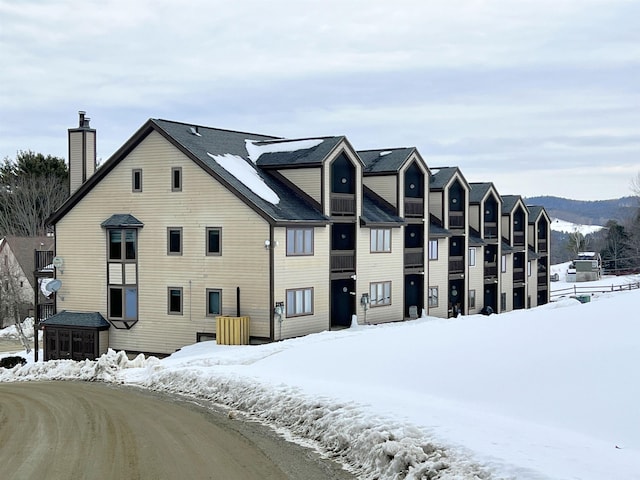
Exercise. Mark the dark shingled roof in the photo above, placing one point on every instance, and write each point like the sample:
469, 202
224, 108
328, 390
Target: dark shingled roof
475, 240
220, 142
478, 191
509, 202
375, 212
534, 212
441, 176
532, 254
77, 319
388, 160
506, 248
23, 250
303, 157
121, 220
436, 231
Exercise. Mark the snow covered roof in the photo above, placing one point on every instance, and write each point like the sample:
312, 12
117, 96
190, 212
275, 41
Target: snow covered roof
385, 161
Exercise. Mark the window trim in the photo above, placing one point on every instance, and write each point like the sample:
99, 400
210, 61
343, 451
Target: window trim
208, 291
374, 238
207, 252
472, 299
174, 171
386, 301
433, 252
169, 230
123, 245
134, 172
123, 289
430, 296
503, 264
528, 268
169, 311
303, 313
293, 252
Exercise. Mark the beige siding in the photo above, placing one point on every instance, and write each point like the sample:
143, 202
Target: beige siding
439, 277
90, 153
202, 203
296, 272
476, 280
75, 156
385, 186
103, 340
307, 179
506, 228
435, 204
381, 267
474, 217
506, 280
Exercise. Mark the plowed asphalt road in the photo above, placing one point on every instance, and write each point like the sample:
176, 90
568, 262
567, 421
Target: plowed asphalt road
76, 430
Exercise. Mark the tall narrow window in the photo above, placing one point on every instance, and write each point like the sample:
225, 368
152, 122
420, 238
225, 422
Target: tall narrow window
433, 249
433, 296
380, 294
176, 179
472, 299
174, 241
174, 301
214, 302
503, 301
299, 302
214, 241
380, 240
503, 264
529, 268
299, 241
472, 257
122, 291
136, 180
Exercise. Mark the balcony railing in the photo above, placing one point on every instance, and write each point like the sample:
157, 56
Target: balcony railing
414, 207
518, 239
43, 259
456, 264
456, 219
518, 275
542, 279
490, 270
45, 310
542, 245
343, 204
490, 230
343, 261
413, 257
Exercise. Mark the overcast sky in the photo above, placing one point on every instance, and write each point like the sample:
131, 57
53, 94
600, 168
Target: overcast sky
541, 97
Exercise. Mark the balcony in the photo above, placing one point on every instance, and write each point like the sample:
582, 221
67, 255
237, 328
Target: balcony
490, 230
518, 275
343, 261
542, 279
456, 264
45, 310
414, 207
456, 220
413, 257
343, 204
43, 259
542, 245
490, 270
518, 239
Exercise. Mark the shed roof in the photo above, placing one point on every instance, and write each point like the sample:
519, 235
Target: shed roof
77, 319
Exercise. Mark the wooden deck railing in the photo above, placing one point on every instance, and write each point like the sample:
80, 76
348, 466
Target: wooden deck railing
343, 261
414, 207
343, 204
413, 257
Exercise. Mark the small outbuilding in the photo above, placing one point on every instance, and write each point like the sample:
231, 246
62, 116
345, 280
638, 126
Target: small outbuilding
75, 336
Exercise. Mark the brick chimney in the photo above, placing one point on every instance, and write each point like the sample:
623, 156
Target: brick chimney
82, 152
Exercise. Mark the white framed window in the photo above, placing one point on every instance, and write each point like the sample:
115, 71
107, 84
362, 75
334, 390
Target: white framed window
503, 264
472, 257
433, 249
380, 294
380, 240
299, 302
529, 268
299, 241
472, 299
433, 296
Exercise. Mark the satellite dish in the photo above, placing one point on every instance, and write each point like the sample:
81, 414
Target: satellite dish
57, 262
53, 285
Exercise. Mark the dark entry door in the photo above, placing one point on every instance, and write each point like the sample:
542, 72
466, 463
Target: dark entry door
413, 294
342, 302
491, 297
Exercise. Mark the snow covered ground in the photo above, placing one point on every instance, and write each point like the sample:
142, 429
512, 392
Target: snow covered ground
546, 393
568, 227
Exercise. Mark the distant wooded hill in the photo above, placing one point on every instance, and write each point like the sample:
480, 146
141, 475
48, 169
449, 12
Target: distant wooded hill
596, 212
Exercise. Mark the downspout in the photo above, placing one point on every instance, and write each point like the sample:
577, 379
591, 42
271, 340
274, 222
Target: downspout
271, 284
